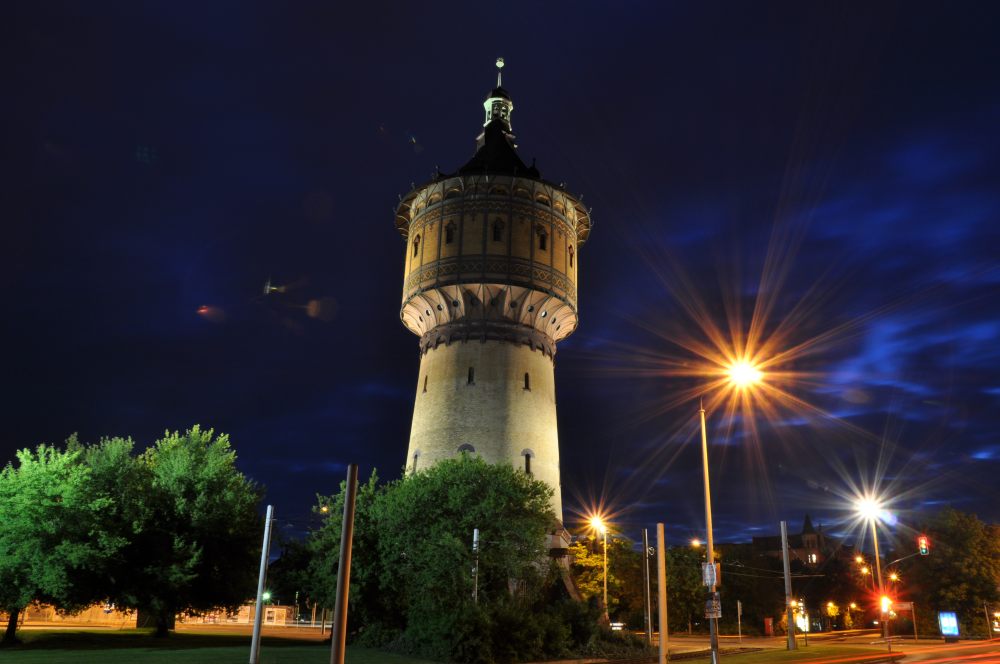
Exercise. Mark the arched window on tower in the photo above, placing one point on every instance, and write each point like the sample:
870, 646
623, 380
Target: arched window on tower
543, 239
449, 233
527, 454
465, 447
571, 252
498, 230
416, 245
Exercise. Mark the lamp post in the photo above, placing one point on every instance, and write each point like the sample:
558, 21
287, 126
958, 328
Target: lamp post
713, 627
742, 375
598, 525
870, 508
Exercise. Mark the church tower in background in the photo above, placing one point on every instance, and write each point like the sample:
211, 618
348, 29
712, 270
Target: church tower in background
490, 288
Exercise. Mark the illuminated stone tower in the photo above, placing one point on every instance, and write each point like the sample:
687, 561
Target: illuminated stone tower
492, 254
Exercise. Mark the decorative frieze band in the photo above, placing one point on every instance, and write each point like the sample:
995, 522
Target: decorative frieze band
473, 329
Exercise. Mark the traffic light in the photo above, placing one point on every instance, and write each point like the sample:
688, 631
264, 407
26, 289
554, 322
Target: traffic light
886, 604
923, 545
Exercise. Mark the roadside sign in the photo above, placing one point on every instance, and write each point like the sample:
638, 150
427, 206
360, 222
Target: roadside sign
902, 606
710, 574
713, 606
739, 608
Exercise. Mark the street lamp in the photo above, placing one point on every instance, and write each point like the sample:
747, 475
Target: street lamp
695, 543
597, 523
871, 509
743, 374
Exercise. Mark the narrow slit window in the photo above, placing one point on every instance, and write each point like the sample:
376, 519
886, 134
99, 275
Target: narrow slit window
425, 382
449, 233
527, 464
472, 376
527, 381
416, 457
571, 255
416, 245
543, 241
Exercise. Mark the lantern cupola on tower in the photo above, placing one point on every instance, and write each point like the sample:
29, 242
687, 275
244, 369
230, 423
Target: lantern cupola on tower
499, 105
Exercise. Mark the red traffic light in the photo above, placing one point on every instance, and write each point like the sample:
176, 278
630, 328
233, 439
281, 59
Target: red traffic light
923, 545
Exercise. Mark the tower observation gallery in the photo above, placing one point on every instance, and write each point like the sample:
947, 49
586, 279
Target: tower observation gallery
490, 288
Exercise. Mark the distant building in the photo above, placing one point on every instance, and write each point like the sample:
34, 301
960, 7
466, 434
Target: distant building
811, 547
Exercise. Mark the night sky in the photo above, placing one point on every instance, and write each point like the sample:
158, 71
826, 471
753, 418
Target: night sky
162, 161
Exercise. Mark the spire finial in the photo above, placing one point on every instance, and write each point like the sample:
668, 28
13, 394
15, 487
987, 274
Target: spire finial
499, 70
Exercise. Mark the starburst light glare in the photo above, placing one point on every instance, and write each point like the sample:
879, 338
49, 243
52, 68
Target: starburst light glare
598, 524
743, 374
869, 508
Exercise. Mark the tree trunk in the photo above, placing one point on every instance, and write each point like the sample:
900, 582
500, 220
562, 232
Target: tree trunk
10, 636
162, 625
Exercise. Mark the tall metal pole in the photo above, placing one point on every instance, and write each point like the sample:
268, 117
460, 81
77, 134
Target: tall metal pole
265, 552
338, 631
713, 626
661, 591
881, 588
788, 587
989, 623
607, 616
645, 578
475, 566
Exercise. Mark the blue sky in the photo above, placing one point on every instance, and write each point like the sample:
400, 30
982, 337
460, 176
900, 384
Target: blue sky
165, 157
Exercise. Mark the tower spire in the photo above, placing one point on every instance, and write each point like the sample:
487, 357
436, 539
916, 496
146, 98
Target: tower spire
498, 104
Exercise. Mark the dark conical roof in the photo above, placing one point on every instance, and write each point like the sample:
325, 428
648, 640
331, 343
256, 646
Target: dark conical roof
807, 526
497, 155
500, 92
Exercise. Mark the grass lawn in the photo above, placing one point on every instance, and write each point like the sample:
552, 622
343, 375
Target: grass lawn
814, 653
127, 646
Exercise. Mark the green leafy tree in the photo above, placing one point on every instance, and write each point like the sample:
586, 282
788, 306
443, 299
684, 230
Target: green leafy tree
50, 531
411, 568
961, 573
626, 598
192, 520
685, 592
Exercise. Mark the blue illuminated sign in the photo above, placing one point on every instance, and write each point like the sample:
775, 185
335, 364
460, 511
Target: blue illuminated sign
948, 622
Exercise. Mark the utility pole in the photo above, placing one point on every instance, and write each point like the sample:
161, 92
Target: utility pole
645, 578
713, 624
475, 566
265, 552
788, 587
989, 623
661, 592
338, 631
